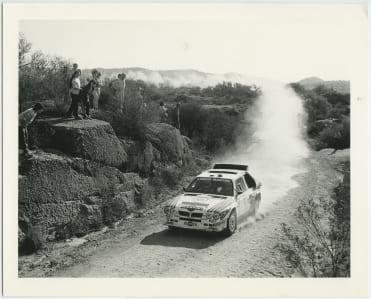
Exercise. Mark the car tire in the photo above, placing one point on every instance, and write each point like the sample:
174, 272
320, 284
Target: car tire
231, 224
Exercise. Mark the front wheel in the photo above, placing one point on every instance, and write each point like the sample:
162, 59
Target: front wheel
231, 224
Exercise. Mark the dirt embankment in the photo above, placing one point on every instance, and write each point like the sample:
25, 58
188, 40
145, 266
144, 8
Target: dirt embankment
141, 246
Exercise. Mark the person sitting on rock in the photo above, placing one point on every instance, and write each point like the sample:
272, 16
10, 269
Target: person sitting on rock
24, 120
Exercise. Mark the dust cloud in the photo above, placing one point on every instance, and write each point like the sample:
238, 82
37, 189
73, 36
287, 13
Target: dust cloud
274, 152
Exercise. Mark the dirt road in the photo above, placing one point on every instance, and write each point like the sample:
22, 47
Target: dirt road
143, 247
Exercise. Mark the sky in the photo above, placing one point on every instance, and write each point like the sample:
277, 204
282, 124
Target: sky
288, 50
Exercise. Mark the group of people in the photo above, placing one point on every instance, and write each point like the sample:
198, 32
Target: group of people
87, 96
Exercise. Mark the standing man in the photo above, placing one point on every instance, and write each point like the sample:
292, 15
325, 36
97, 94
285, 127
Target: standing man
178, 115
74, 69
163, 112
24, 119
118, 86
96, 90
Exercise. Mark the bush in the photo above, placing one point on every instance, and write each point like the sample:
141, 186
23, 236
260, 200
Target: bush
328, 116
78, 227
218, 130
319, 244
191, 119
171, 176
336, 135
114, 209
32, 241
132, 121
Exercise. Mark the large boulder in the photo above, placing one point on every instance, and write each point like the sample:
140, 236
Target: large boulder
89, 139
169, 142
54, 190
142, 157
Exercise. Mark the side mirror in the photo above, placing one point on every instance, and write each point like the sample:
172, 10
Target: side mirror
258, 185
239, 192
184, 189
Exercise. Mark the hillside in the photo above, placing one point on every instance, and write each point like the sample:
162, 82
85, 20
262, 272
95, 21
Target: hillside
340, 86
175, 78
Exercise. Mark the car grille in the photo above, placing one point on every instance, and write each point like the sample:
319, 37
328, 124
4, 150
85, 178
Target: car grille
190, 219
192, 215
189, 216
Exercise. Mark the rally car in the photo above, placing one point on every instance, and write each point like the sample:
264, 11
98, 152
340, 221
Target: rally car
217, 200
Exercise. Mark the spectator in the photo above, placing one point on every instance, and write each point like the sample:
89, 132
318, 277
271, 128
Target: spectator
163, 112
118, 85
178, 115
74, 69
26, 118
123, 78
75, 92
84, 96
96, 88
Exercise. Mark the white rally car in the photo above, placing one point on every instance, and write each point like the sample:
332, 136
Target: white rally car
216, 200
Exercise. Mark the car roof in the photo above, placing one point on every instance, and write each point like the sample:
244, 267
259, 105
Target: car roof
222, 173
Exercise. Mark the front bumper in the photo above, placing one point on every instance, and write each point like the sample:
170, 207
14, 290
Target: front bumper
202, 224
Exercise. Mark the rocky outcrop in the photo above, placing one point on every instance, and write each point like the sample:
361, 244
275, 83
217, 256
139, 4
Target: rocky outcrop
169, 142
143, 158
77, 182
89, 139
54, 190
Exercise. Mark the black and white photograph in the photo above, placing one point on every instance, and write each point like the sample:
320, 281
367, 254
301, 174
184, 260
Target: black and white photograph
213, 145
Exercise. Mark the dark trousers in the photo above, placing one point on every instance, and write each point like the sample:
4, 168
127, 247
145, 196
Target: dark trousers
23, 138
74, 105
85, 104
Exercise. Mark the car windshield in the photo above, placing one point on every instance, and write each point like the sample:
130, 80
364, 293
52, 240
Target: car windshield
215, 186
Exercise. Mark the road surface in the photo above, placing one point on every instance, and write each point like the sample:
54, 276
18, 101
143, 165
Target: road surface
144, 247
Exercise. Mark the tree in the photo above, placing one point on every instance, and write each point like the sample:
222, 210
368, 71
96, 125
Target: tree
24, 47
42, 78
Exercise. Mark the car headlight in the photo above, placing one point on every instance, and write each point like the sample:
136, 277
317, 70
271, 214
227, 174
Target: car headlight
215, 216
168, 210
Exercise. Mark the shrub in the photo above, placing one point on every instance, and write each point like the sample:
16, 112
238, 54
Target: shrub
78, 227
218, 130
32, 241
319, 245
191, 119
171, 176
114, 209
336, 135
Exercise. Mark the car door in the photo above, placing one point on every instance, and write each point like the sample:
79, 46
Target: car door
243, 203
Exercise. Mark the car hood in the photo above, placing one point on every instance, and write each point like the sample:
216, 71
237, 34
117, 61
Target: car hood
202, 202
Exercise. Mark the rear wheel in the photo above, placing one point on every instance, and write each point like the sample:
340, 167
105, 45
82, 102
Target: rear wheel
231, 223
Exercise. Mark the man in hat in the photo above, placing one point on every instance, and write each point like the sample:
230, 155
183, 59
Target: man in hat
24, 120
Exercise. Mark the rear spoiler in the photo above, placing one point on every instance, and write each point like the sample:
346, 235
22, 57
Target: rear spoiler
231, 166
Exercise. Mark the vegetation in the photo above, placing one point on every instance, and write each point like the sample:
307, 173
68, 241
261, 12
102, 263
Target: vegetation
319, 244
328, 116
45, 79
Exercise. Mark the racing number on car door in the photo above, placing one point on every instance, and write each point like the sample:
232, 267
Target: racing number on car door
243, 203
